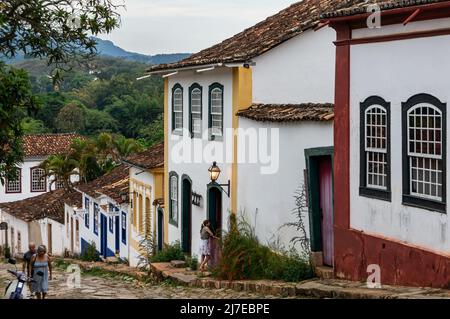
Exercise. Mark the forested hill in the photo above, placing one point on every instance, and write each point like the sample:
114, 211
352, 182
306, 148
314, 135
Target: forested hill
100, 96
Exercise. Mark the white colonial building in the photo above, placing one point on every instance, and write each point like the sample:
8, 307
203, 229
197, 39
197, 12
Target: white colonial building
260, 104
147, 201
104, 217
40, 219
391, 142
29, 182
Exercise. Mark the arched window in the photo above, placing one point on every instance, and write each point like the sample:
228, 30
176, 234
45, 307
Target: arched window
195, 109
38, 183
216, 111
177, 109
173, 216
375, 176
424, 152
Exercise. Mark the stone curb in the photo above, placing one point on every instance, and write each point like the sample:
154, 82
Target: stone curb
314, 288
111, 268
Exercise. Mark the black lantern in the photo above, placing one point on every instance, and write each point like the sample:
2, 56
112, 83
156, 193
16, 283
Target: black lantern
214, 173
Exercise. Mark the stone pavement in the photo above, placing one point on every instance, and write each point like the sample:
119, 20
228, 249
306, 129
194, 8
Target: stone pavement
315, 288
125, 287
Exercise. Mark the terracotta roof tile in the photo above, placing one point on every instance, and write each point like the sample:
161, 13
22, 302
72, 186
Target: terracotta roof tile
48, 205
289, 112
361, 7
47, 144
112, 184
265, 35
151, 158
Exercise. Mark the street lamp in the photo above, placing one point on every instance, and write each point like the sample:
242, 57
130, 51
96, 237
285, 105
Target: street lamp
214, 173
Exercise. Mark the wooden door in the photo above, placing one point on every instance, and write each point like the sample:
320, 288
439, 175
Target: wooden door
117, 238
160, 229
326, 208
186, 218
71, 235
49, 239
215, 218
103, 236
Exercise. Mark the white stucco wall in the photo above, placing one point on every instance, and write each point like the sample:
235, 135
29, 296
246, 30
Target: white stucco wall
19, 226
26, 192
70, 231
198, 172
137, 178
396, 71
39, 234
268, 200
58, 236
299, 70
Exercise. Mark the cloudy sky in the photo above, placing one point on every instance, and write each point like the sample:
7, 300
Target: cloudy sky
173, 26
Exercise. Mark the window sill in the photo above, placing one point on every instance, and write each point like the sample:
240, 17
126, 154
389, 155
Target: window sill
375, 194
427, 204
179, 133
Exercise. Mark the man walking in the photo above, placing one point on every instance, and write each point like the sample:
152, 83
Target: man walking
27, 259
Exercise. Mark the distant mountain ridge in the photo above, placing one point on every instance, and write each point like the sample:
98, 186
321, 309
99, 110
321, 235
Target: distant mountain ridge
109, 49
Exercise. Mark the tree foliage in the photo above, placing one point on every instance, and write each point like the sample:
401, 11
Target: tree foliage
15, 101
59, 31
71, 119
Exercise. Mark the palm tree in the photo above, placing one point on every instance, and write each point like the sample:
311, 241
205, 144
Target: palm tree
61, 168
125, 146
85, 153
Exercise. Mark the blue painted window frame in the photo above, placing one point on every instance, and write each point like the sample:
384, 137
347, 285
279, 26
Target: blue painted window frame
87, 208
124, 228
96, 216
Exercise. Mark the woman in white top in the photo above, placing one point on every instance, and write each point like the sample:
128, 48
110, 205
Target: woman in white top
205, 248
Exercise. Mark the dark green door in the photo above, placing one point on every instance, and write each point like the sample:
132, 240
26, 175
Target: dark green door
160, 229
186, 216
215, 217
215, 209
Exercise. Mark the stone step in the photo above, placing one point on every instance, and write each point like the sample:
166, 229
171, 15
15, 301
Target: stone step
324, 272
178, 264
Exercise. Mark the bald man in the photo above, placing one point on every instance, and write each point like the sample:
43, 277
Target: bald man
27, 258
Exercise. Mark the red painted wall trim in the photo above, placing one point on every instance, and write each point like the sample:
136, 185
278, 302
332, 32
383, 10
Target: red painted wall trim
394, 37
342, 131
400, 264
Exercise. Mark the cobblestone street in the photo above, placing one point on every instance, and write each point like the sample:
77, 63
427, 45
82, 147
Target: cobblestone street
104, 287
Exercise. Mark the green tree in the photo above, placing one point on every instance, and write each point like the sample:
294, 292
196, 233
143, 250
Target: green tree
15, 101
32, 126
60, 168
51, 104
59, 30
126, 146
153, 133
71, 118
99, 121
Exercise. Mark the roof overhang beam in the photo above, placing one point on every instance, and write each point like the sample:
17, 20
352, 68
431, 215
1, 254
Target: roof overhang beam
200, 68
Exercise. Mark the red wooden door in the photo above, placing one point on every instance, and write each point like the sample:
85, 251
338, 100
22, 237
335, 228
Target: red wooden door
326, 208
